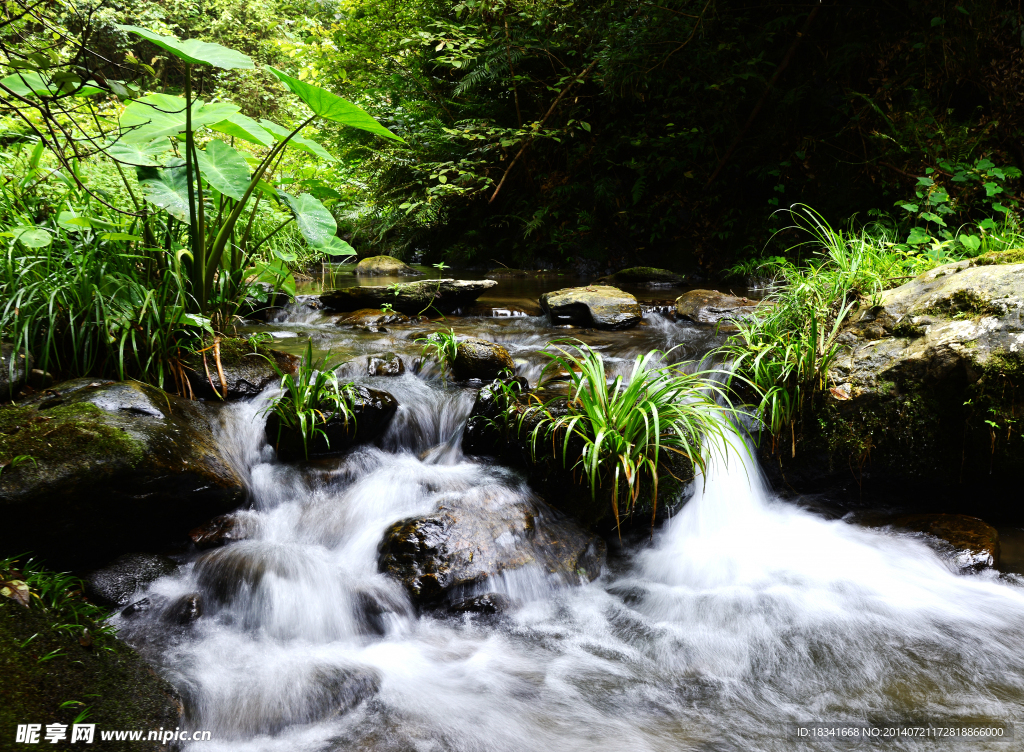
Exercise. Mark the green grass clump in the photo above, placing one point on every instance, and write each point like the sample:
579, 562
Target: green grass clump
311, 397
442, 347
629, 430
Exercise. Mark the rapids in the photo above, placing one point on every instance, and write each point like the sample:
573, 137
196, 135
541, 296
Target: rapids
743, 615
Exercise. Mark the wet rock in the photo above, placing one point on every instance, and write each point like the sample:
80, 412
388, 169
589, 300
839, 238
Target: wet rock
489, 603
504, 273
116, 583
387, 364
426, 296
117, 465
975, 542
711, 307
14, 371
480, 534
247, 370
926, 394
384, 266
479, 359
140, 607
373, 319
373, 411
644, 275
219, 531
598, 306
185, 610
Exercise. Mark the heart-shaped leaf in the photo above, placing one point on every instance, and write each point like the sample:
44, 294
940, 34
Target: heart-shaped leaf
32, 83
192, 50
167, 188
31, 236
316, 224
337, 247
224, 168
159, 115
331, 106
140, 154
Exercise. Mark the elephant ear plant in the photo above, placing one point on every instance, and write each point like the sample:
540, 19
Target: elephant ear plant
311, 398
209, 186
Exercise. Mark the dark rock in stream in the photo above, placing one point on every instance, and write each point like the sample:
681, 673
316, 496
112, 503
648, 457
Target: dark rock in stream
372, 409
185, 610
387, 364
488, 603
116, 466
413, 298
599, 306
247, 370
479, 359
644, 275
221, 530
483, 533
971, 543
116, 583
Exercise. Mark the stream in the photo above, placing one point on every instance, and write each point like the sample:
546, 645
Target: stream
742, 615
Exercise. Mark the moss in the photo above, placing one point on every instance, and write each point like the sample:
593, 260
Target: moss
106, 677
963, 303
51, 436
992, 258
906, 328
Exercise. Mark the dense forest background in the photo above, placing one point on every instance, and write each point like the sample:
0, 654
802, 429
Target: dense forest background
604, 134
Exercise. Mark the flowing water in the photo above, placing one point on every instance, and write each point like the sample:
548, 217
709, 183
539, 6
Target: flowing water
743, 615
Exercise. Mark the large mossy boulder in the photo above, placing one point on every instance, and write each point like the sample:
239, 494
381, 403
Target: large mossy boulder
479, 359
481, 534
712, 307
384, 266
45, 669
426, 296
646, 276
14, 371
926, 397
372, 411
247, 369
115, 467
599, 306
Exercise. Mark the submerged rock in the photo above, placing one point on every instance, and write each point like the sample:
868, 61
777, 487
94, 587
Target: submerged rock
115, 466
480, 534
425, 296
247, 369
975, 542
372, 410
116, 583
598, 306
14, 371
387, 364
488, 603
479, 359
221, 530
373, 319
711, 307
384, 266
644, 275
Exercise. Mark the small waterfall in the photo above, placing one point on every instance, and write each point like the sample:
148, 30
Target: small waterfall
745, 613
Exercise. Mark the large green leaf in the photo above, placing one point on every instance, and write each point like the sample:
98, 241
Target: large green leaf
275, 273
245, 128
192, 50
224, 168
316, 224
337, 247
159, 115
31, 236
140, 155
331, 106
167, 188
298, 142
31, 83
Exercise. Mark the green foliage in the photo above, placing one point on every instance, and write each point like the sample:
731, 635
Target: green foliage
628, 429
442, 347
311, 397
58, 595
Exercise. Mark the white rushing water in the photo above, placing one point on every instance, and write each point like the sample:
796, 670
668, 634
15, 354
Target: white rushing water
743, 615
